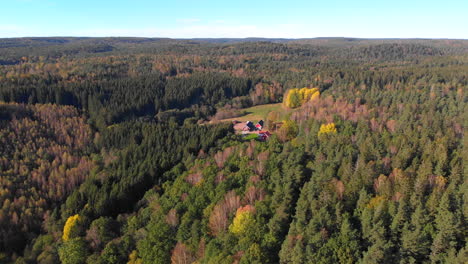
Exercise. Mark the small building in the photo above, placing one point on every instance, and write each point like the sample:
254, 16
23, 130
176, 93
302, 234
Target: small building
249, 126
259, 125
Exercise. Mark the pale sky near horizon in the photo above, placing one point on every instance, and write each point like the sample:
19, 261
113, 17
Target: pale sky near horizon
235, 19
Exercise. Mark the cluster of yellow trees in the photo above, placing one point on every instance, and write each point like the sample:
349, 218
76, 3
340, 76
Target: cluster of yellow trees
297, 97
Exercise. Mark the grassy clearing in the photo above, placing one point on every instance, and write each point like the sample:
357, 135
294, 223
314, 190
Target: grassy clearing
258, 112
249, 137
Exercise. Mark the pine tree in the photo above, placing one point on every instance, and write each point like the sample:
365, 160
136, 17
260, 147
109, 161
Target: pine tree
416, 238
156, 247
448, 226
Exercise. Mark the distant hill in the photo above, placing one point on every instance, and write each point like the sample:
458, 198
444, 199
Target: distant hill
13, 49
45, 41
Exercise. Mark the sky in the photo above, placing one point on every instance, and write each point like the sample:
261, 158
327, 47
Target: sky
235, 19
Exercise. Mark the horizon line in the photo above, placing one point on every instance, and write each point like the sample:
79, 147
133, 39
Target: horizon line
240, 38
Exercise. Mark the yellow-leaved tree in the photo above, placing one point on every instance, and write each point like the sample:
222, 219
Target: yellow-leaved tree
306, 94
315, 96
297, 97
71, 229
292, 98
243, 221
327, 129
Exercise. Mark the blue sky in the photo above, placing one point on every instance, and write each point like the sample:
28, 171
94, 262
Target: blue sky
240, 18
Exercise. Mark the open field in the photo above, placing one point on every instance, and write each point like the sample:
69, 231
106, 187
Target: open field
258, 112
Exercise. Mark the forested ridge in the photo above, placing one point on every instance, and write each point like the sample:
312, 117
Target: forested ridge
111, 151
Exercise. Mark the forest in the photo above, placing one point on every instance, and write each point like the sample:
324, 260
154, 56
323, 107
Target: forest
122, 150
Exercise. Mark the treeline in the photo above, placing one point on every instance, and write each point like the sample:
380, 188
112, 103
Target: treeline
53, 48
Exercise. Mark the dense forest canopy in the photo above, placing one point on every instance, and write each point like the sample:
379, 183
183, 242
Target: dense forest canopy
114, 150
